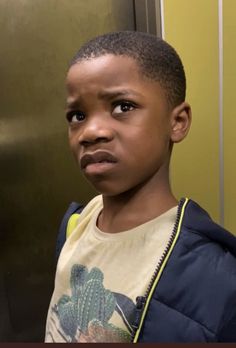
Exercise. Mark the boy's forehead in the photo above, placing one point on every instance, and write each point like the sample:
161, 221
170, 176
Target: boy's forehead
112, 75
107, 57
109, 69
108, 63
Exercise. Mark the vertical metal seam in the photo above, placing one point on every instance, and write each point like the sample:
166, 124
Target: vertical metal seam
158, 17
135, 16
221, 125
162, 19
147, 18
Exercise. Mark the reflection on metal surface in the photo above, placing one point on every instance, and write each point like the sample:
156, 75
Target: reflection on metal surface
147, 14
38, 174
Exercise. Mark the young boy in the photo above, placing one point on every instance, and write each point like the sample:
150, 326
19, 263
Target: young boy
139, 266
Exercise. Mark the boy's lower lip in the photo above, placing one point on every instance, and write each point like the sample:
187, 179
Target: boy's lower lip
99, 168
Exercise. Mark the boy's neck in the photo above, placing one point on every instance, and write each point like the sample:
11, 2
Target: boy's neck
133, 208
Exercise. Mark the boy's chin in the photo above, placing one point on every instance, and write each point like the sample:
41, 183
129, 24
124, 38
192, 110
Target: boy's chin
115, 187
108, 190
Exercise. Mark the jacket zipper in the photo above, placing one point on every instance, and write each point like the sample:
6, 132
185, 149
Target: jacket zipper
142, 302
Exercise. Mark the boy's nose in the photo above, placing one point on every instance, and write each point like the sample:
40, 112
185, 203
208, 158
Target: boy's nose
96, 132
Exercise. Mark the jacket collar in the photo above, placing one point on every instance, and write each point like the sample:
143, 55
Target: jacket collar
198, 220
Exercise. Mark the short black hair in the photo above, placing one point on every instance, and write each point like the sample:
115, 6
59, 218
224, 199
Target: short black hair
156, 58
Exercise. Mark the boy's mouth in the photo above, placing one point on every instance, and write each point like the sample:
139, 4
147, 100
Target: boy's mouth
98, 157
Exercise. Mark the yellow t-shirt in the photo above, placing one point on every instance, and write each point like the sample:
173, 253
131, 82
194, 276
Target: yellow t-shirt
99, 276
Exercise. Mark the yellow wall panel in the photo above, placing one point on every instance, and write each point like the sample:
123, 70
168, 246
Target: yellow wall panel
192, 28
229, 93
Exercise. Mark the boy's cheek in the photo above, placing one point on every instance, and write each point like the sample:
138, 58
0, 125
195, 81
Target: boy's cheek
74, 149
73, 138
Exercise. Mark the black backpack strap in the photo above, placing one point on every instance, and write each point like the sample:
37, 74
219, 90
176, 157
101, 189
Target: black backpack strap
61, 236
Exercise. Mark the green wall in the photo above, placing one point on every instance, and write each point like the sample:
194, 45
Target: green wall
204, 165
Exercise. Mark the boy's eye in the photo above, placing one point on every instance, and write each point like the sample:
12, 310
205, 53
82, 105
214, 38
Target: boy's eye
123, 107
75, 116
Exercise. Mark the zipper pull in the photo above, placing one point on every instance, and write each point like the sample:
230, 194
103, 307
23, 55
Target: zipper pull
140, 302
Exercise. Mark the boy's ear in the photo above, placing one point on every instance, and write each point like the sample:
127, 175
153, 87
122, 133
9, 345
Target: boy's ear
181, 117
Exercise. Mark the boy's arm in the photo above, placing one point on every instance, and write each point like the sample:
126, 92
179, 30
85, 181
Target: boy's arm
228, 331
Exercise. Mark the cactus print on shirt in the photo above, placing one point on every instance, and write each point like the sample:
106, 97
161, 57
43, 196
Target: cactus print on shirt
84, 315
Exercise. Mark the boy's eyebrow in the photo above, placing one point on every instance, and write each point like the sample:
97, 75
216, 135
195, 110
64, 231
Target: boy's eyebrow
71, 104
109, 94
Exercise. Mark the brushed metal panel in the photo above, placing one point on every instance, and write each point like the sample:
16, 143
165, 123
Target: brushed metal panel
38, 175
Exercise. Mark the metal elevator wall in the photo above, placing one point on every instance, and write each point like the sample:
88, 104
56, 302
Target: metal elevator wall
38, 174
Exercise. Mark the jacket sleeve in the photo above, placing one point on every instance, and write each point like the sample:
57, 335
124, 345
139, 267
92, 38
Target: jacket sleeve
228, 332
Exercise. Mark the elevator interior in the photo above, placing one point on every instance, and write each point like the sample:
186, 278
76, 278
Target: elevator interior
38, 175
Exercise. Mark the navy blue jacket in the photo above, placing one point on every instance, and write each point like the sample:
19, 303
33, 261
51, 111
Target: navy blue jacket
195, 297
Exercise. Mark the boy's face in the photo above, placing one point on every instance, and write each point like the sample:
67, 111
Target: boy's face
119, 124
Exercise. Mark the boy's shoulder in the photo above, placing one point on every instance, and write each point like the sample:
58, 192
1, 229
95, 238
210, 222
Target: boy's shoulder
198, 283
204, 235
203, 259
74, 212
205, 253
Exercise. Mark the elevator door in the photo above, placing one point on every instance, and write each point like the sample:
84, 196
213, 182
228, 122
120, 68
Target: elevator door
38, 175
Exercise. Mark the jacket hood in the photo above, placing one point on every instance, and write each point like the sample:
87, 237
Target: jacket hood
197, 219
